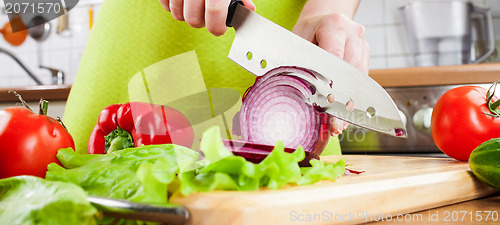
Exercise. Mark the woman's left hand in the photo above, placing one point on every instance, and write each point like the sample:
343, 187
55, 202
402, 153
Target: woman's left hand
339, 35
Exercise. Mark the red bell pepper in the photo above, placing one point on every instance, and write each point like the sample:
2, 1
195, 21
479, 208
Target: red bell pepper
133, 124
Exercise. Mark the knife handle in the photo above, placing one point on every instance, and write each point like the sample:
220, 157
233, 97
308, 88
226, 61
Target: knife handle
172, 214
231, 10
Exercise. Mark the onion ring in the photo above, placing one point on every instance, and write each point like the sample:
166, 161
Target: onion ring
275, 109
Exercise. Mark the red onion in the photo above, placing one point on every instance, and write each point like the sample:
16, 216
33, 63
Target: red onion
255, 153
275, 109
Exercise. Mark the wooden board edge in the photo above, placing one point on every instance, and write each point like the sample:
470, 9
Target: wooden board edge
387, 199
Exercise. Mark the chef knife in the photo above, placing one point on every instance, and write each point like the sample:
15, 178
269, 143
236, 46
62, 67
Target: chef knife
261, 45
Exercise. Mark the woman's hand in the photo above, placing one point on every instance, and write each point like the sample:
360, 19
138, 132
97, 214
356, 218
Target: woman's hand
202, 13
328, 24
337, 34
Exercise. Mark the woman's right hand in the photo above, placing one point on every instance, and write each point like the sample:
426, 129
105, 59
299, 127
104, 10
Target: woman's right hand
202, 13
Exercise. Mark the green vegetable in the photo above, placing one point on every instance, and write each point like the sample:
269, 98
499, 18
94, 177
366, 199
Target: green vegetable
146, 173
150, 173
321, 171
484, 162
30, 200
140, 174
137, 174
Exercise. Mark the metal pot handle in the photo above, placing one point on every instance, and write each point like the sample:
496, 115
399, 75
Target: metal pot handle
486, 13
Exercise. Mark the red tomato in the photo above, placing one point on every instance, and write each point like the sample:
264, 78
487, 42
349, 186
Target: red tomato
459, 123
29, 142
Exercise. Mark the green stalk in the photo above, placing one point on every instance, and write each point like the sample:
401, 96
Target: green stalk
493, 107
117, 140
44, 105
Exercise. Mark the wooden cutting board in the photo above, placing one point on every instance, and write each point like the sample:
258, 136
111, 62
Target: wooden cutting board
389, 186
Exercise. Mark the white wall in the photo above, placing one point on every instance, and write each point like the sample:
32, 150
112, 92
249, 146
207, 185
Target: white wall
60, 52
384, 33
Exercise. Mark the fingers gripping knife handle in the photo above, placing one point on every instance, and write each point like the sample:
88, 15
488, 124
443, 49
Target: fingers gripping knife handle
258, 40
231, 10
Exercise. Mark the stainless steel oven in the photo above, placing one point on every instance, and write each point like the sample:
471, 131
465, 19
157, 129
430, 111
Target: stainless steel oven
416, 104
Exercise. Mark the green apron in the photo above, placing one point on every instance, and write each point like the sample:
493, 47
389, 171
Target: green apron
130, 35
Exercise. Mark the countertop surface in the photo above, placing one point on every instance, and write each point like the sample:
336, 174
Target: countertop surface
35, 93
415, 76
438, 75
479, 211
464, 213
387, 185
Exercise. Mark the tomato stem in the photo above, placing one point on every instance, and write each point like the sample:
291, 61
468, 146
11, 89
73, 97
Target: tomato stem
492, 106
58, 119
21, 100
43, 107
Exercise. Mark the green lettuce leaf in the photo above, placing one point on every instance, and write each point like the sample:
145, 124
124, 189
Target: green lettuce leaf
321, 171
31, 200
280, 168
220, 169
139, 174
153, 173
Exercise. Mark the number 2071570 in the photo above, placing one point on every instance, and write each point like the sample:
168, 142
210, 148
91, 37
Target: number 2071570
473, 216
37, 7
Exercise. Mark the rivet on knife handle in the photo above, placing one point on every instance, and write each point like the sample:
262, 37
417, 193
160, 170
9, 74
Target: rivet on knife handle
231, 10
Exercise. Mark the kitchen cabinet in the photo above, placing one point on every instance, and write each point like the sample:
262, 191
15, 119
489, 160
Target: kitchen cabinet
55, 94
404, 77
34, 93
437, 75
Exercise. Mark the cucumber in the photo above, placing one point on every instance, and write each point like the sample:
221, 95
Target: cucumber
484, 162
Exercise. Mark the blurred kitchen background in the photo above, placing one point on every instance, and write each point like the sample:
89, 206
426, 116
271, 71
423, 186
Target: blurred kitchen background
385, 31
392, 62
60, 51
382, 19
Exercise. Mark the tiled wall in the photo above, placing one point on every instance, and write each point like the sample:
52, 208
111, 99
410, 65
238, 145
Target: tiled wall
381, 18
58, 51
385, 33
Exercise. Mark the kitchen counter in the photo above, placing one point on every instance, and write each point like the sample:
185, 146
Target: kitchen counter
465, 213
55, 94
437, 75
416, 76
35, 93
401, 185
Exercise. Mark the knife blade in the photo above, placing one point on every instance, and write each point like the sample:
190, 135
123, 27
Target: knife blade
261, 45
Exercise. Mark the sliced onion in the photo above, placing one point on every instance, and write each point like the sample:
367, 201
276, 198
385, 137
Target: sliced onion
275, 109
255, 153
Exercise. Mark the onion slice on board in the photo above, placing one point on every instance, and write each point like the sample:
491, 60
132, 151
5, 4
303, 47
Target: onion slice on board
275, 109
